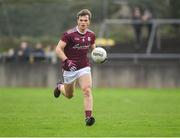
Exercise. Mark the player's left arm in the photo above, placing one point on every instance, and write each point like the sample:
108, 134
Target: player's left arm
93, 40
93, 46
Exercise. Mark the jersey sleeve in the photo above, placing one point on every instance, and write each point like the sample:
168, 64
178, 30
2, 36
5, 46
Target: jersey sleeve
93, 39
65, 37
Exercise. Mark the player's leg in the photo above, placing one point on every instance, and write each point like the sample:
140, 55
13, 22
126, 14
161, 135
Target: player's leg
66, 89
85, 82
57, 91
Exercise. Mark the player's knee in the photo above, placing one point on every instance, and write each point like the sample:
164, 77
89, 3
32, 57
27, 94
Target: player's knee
69, 93
87, 91
69, 96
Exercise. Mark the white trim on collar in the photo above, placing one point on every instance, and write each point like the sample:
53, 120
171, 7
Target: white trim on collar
81, 32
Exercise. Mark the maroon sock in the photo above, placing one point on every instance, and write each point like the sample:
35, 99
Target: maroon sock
88, 113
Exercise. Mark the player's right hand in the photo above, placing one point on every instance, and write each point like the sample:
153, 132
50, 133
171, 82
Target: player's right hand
70, 65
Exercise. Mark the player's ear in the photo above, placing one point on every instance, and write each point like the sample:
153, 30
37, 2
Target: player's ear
89, 22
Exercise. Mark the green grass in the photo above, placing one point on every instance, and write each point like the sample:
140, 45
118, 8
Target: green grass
118, 112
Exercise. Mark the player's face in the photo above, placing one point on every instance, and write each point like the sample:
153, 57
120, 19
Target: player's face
83, 23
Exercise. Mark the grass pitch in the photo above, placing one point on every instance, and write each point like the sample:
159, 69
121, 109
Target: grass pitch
26, 112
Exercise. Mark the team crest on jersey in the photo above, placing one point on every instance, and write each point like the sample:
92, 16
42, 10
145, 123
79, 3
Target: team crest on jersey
89, 38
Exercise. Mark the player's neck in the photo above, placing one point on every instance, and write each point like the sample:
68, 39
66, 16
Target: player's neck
81, 31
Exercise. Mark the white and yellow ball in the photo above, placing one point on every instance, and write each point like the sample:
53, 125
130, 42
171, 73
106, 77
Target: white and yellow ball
99, 55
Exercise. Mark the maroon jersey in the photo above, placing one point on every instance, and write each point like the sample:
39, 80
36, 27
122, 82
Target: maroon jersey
77, 46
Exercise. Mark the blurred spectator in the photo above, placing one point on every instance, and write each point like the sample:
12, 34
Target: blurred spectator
137, 15
38, 53
146, 18
51, 54
10, 55
24, 52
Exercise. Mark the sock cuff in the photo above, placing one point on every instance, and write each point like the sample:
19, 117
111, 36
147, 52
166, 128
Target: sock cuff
88, 113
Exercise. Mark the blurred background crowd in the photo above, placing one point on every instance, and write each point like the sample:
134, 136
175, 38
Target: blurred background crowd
27, 53
40, 24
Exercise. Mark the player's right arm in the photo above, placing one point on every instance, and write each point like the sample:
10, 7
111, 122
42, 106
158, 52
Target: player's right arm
67, 64
60, 50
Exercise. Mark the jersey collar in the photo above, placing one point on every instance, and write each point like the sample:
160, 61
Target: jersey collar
80, 32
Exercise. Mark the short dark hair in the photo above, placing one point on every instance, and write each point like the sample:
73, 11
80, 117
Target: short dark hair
83, 13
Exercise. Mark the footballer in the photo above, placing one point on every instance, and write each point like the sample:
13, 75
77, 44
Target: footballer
72, 50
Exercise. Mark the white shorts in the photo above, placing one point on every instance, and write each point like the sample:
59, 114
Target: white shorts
70, 76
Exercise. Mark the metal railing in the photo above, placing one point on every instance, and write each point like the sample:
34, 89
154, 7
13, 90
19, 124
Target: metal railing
136, 56
148, 54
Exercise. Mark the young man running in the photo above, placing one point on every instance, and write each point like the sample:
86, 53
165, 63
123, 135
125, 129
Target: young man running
72, 49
